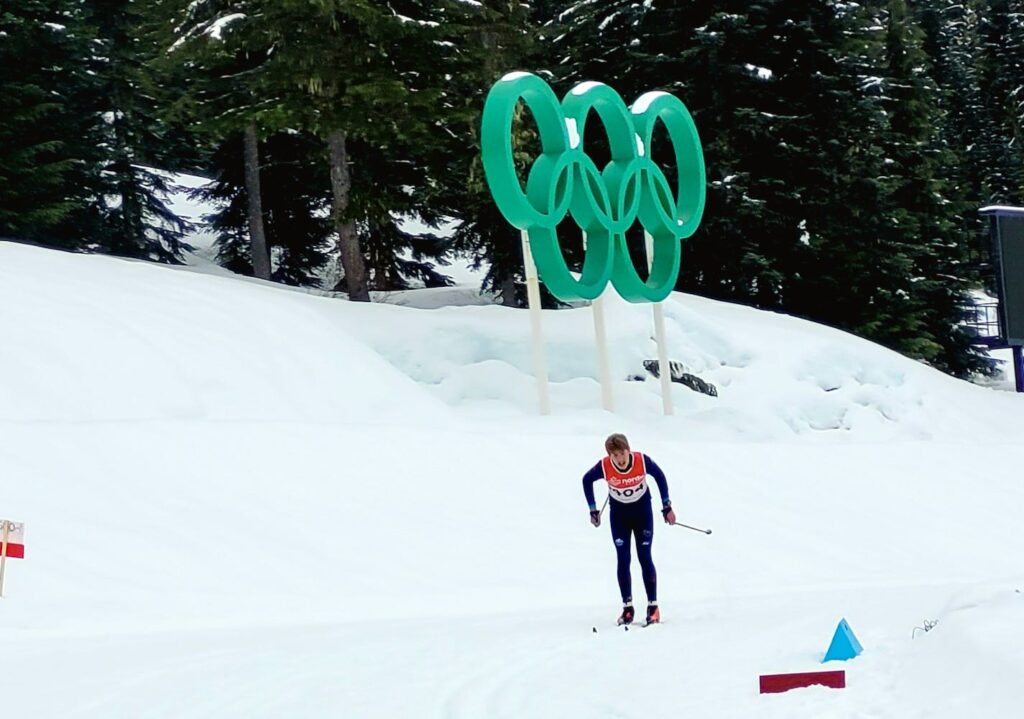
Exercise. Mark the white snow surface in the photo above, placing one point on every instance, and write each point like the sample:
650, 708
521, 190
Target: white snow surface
643, 102
246, 501
216, 28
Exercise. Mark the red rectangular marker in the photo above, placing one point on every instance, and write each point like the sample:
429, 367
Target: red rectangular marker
15, 546
776, 683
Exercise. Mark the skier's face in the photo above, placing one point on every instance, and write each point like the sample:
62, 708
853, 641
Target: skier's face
620, 458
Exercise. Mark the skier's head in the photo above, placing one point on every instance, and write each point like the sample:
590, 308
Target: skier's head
617, 447
616, 441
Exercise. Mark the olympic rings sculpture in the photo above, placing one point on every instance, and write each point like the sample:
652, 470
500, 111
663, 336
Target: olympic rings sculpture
606, 202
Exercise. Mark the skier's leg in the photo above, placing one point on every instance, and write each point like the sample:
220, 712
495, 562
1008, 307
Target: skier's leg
644, 531
621, 535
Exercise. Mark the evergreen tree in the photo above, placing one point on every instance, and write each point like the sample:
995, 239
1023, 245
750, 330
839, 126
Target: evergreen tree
368, 81
610, 42
1014, 60
400, 185
997, 77
950, 40
778, 104
923, 211
293, 180
356, 73
48, 141
825, 194
494, 37
139, 222
226, 45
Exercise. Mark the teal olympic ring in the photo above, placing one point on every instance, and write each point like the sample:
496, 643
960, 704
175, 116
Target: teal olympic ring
603, 202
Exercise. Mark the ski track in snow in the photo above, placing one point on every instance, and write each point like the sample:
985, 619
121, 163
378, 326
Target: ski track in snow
701, 662
386, 529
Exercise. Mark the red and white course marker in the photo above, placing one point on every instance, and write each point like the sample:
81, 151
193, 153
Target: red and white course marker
776, 683
12, 541
12, 544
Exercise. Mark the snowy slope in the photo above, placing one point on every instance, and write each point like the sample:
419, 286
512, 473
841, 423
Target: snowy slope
244, 501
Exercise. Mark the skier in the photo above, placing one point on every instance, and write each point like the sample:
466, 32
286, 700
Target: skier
630, 515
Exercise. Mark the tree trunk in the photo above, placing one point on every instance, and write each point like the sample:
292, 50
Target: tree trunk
348, 240
257, 236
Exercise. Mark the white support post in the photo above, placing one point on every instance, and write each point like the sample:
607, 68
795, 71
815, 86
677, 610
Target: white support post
659, 336
603, 365
540, 367
3, 554
601, 338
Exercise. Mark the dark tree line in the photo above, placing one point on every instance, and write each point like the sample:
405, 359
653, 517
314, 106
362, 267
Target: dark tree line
848, 144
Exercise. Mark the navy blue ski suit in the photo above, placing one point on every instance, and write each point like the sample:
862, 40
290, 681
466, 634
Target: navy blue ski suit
631, 520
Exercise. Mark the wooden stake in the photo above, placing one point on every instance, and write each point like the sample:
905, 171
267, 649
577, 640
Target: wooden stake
601, 338
603, 365
659, 336
540, 367
3, 554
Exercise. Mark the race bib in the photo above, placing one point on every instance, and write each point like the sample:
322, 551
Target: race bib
628, 494
626, 485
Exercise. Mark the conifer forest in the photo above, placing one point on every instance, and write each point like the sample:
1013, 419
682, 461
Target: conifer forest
848, 145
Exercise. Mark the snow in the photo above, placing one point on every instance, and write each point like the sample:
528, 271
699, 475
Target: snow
805, 236
1002, 210
216, 28
762, 73
1003, 379
574, 132
644, 101
424, 23
584, 87
509, 77
246, 501
607, 21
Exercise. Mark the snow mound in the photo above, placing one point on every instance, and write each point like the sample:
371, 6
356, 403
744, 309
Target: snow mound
292, 505
90, 338
190, 345
777, 376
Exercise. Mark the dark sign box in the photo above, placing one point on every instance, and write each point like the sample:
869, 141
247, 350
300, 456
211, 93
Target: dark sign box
1007, 232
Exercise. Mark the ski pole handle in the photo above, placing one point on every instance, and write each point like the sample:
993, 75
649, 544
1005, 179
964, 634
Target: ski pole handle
687, 526
595, 515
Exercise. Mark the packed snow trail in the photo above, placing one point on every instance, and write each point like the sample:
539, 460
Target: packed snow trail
703, 661
243, 501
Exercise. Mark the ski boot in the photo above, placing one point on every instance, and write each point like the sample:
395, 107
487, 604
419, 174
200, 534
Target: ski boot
653, 615
627, 614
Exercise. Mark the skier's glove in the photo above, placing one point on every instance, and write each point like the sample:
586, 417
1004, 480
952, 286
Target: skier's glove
668, 514
595, 517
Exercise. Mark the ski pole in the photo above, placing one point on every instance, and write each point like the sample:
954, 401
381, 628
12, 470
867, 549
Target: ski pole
687, 526
599, 514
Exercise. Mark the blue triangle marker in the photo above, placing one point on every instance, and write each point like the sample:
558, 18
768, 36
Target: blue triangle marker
844, 644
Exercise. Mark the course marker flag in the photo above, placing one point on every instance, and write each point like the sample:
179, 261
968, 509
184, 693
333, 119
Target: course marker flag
12, 544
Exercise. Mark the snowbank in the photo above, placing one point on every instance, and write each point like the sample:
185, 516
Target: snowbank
246, 501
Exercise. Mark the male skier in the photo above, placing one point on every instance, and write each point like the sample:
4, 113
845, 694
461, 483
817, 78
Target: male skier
629, 515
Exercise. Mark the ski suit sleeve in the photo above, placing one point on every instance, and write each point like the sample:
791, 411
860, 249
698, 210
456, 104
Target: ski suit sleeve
593, 474
655, 471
